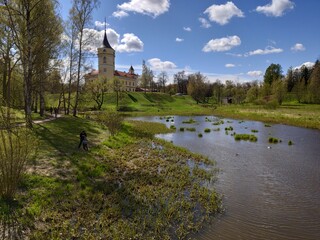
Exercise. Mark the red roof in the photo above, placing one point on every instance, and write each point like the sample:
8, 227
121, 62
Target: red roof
124, 74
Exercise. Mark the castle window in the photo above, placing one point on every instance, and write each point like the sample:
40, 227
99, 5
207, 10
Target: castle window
133, 84
104, 59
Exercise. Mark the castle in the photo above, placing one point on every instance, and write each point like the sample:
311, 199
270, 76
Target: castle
106, 69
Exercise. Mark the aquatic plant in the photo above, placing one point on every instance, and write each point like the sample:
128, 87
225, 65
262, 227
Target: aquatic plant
173, 127
267, 125
200, 135
218, 123
207, 130
273, 140
254, 131
190, 121
191, 129
245, 137
181, 129
216, 129
290, 143
230, 128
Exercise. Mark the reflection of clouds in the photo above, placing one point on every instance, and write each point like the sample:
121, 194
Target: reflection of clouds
10, 228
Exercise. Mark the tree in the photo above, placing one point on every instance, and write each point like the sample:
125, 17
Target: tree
181, 80
279, 90
27, 20
97, 89
314, 86
197, 87
81, 15
273, 73
217, 91
162, 80
146, 77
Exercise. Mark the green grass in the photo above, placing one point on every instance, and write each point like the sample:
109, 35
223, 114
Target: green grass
291, 113
245, 137
128, 186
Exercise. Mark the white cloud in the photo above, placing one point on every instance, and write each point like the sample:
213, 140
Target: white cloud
152, 8
204, 23
222, 44
223, 13
120, 14
255, 73
188, 29
179, 39
298, 47
276, 8
101, 25
157, 64
229, 65
128, 43
306, 64
267, 50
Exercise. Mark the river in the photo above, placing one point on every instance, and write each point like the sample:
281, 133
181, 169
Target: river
270, 191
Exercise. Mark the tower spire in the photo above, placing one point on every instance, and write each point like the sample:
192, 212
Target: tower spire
105, 39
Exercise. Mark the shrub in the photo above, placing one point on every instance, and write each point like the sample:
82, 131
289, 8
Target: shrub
16, 147
112, 120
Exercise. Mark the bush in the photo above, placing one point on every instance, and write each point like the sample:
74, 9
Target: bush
16, 146
112, 120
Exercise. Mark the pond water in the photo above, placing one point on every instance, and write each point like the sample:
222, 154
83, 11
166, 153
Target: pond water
270, 191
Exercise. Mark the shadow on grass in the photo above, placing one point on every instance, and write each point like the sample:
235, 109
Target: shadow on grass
63, 134
10, 227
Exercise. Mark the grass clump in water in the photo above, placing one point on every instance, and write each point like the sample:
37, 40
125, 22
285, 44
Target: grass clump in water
200, 135
218, 123
245, 137
290, 143
254, 131
216, 129
207, 130
191, 129
230, 128
190, 121
273, 140
181, 129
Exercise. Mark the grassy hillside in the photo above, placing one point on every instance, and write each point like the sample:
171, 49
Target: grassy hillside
128, 186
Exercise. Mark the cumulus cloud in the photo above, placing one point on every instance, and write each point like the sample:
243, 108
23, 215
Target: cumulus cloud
152, 8
188, 29
222, 44
222, 14
298, 47
128, 43
179, 39
306, 64
267, 50
101, 25
276, 8
229, 65
255, 73
120, 14
158, 65
204, 23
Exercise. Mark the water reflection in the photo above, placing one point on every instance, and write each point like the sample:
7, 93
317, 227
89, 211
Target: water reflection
272, 191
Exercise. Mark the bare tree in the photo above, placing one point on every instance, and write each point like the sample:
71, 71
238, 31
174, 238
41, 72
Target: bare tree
81, 15
162, 80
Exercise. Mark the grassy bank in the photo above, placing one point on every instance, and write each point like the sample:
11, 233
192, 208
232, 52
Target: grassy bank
128, 186
301, 115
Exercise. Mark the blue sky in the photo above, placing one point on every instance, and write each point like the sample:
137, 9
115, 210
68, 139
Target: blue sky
227, 40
